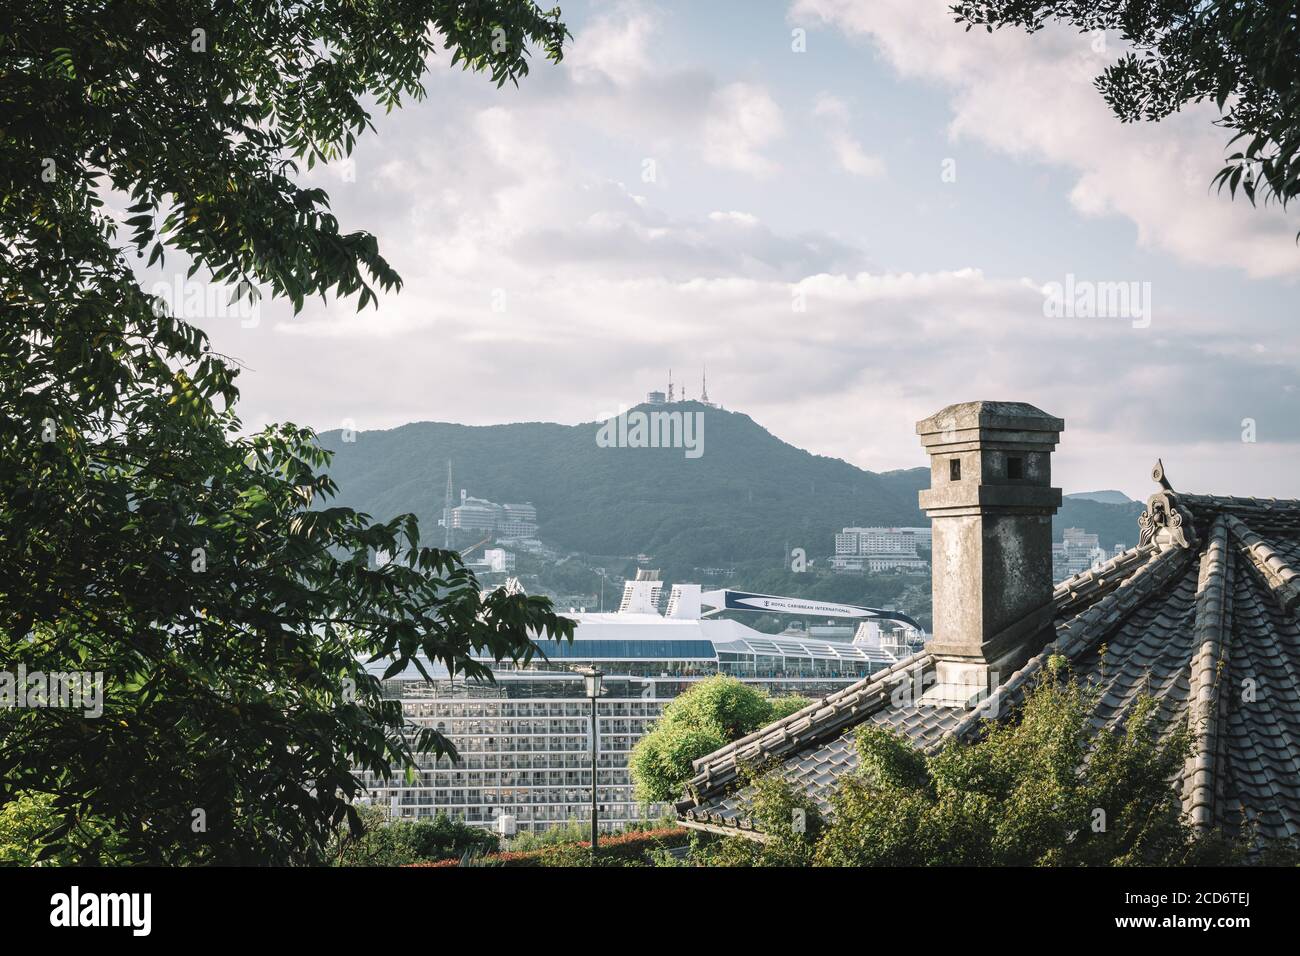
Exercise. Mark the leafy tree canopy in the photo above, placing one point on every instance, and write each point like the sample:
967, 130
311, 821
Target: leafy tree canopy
1241, 56
402, 842
25, 823
143, 536
710, 715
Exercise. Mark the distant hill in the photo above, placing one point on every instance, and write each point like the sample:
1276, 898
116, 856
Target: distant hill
1113, 524
748, 496
1109, 497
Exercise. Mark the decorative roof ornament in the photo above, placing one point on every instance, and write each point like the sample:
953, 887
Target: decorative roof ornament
1164, 522
1158, 474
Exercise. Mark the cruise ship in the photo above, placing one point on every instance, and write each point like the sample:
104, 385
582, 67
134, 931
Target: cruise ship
525, 740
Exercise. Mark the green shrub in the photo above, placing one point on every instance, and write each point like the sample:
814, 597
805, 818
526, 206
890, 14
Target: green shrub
629, 848
1044, 788
710, 715
573, 831
402, 842
28, 827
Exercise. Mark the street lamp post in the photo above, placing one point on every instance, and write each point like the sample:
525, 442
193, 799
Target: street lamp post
592, 677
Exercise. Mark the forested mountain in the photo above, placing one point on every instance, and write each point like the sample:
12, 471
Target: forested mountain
748, 495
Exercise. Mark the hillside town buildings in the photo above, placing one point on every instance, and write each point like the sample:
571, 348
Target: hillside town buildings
1076, 552
505, 521
879, 549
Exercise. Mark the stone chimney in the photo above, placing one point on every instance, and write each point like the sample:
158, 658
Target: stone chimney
990, 504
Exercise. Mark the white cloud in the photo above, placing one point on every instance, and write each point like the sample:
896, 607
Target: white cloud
1032, 97
848, 152
854, 159
732, 216
614, 49
829, 105
848, 376
742, 120
539, 285
618, 77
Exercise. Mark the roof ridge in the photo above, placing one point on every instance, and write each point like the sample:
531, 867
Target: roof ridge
823, 718
1088, 586
829, 700
1090, 625
1268, 729
1213, 598
1083, 632
1108, 589
1272, 568
1218, 503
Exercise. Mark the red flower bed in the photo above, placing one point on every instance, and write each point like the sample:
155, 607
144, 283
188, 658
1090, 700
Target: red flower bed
621, 845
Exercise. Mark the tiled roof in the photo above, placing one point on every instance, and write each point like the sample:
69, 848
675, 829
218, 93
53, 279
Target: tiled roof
1202, 615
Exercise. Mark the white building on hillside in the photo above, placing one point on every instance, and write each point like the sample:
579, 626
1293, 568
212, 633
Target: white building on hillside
879, 549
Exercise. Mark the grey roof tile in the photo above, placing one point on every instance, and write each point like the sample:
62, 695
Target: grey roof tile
1211, 631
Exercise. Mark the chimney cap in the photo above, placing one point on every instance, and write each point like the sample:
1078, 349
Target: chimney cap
1019, 416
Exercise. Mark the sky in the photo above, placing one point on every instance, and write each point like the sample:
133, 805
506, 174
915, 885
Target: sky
854, 213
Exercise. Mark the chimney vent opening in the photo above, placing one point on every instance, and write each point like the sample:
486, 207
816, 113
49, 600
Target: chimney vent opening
1015, 468
954, 469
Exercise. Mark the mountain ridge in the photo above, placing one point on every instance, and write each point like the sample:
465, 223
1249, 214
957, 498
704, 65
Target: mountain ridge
1108, 496
748, 495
